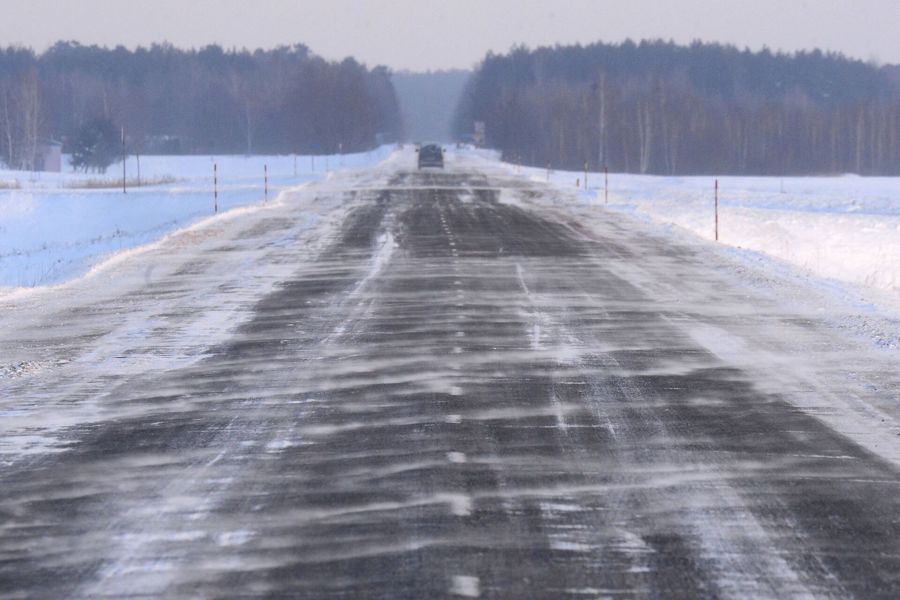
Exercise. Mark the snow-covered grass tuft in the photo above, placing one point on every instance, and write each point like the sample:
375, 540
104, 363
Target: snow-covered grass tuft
116, 183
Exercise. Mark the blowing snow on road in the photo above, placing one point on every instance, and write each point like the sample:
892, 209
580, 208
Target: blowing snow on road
401, 383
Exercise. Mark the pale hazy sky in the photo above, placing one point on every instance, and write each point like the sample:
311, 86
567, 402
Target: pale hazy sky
434, 34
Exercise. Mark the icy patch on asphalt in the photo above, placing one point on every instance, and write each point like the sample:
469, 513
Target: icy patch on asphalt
466, 586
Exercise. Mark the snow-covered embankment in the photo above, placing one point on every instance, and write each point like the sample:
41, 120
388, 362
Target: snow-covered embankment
56, 226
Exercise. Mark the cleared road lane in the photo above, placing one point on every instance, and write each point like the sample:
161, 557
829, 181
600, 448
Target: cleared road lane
431, 389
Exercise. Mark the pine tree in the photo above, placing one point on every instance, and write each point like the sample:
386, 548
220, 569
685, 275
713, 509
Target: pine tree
96, 146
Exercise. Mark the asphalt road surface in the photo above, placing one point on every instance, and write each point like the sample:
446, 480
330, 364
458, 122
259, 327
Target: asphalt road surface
432, 387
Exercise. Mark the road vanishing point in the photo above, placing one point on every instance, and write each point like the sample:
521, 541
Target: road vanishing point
448, 383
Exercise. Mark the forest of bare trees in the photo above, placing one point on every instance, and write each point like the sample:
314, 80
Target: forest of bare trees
657, 107
170, 100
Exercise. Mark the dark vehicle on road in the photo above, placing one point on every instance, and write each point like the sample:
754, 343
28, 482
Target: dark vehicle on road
431, 155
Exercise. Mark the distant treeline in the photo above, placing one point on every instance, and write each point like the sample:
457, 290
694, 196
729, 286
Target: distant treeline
209, 100
657, 107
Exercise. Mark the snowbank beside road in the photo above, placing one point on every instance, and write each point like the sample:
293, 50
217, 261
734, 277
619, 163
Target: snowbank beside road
845, 228
52, 230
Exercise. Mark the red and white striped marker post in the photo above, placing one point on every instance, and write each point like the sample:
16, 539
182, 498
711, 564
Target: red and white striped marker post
717, 210
124, 159
605, 185
215, 188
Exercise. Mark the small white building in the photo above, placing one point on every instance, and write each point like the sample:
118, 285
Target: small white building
49, 156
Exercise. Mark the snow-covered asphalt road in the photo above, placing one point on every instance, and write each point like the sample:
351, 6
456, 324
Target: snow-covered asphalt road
403, 384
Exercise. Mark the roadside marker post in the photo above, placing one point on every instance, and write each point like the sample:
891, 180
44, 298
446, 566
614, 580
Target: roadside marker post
266, 182
717, 210
124, 158
215, 188
605, 185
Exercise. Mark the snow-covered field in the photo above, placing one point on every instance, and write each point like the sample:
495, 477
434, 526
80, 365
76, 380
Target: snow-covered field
844, 228
56, 226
